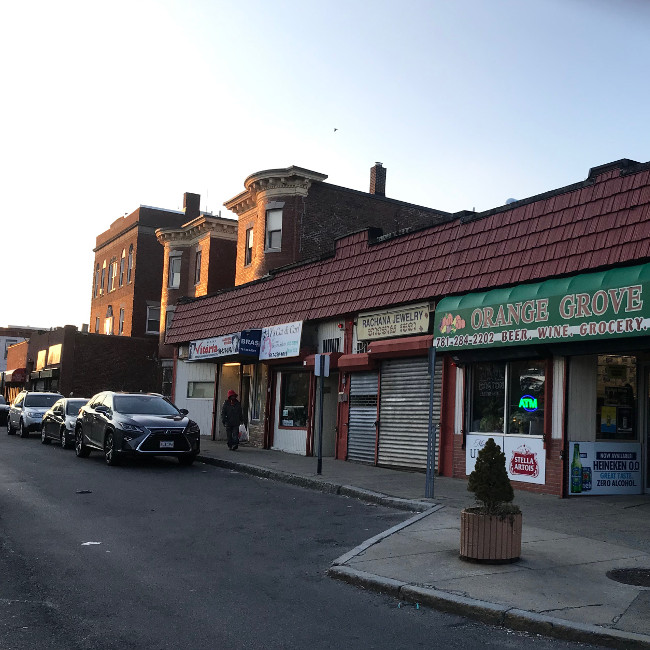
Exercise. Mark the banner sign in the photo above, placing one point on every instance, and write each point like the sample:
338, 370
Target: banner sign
388, 323
217, 346
249, 343
593, 306
525, 455
281, 341
605, 468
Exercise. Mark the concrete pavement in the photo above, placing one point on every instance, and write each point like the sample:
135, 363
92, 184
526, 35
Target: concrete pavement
560, 587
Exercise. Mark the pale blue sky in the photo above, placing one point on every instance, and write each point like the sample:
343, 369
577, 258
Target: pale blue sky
109, 105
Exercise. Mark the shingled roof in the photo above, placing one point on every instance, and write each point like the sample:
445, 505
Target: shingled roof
602, 221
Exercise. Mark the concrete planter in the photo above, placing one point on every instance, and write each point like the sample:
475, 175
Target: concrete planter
489, 538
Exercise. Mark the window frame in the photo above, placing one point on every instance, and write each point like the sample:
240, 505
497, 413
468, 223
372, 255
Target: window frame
197, 266
120, 326
149, 319
172, 273
129, 266
122, 262
268, 233
285, 375
248, 246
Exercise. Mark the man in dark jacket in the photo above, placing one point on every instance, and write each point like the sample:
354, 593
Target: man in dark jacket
232, 417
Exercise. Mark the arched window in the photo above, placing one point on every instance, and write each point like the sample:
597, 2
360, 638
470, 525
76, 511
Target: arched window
96, 281
101, 286
112, 275
129, 268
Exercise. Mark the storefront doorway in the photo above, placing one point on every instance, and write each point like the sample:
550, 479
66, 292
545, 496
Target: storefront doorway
291, 411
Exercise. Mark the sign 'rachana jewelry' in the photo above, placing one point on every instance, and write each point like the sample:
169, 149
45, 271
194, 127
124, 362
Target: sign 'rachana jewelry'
388, 323
609, 304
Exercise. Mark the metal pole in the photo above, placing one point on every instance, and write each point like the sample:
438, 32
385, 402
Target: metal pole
321, 360
431, 442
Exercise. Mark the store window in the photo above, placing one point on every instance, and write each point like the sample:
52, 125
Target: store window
294, 397
200, 389
616, 398
508, 397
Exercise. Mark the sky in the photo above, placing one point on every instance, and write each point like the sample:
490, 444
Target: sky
106, 106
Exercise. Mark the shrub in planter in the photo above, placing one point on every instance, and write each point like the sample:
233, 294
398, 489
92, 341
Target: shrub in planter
491, 531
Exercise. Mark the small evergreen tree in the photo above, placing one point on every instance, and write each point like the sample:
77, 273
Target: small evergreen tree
490, 483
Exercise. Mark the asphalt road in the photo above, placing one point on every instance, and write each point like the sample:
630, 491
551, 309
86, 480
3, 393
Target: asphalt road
152, 555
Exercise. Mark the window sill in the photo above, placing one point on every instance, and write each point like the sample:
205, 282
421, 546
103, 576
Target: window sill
272, 250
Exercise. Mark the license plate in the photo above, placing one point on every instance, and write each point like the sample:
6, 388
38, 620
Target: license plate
166, 444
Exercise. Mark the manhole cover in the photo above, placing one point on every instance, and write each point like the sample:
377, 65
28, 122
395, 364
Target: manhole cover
635, 577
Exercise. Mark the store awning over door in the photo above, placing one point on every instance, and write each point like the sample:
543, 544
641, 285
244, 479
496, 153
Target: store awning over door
592, 306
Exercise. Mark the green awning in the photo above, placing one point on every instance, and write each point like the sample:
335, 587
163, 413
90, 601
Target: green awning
591, 306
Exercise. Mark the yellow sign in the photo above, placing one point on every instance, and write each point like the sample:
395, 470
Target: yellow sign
390, 323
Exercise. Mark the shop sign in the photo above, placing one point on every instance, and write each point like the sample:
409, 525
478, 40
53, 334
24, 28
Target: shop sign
525, 455
595, 306
217, 346
249, 343
281, 341
388, 323
604, 468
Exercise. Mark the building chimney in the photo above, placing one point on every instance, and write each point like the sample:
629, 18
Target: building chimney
191, 205
378, 180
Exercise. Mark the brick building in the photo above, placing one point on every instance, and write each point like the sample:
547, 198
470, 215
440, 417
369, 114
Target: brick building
535, 314
291, 215
10, 336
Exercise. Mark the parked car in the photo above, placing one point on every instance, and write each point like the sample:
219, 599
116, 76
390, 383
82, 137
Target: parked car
124, 425
26, 411
4, 411
60, 420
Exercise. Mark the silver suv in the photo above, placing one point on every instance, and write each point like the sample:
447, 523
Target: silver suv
26, 411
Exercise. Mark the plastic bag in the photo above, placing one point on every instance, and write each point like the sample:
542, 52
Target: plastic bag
243, 433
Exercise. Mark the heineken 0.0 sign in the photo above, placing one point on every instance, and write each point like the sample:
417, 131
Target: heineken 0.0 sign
609, 304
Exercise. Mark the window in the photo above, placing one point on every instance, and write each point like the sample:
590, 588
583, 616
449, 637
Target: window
40, 359
248, 251
101, 286
153, 320
616, 398
112, 276
332, 345
129, 266
96, 281
256, 391
197, 267
54, 354
169, 316
122, 260
167, 379
200, 389
97, 325
108, 321
508, 397
174, 280
8, 344
294, 397
120, 327
273, 230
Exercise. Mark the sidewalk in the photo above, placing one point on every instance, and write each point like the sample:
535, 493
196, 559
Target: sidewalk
558, 588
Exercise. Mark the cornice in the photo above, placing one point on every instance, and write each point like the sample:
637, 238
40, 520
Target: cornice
291, 181
192, 230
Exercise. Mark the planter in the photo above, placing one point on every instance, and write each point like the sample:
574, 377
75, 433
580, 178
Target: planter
490, 538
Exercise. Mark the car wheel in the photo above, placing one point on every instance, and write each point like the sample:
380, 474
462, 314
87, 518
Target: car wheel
186, 461
64, 438
110, 455
44, 439
23, 431
80, 449
10, 430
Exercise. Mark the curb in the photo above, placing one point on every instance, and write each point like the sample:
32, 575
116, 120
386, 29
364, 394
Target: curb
491, 613
368, 496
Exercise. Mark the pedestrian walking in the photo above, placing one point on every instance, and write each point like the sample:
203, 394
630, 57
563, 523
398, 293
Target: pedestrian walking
232, 416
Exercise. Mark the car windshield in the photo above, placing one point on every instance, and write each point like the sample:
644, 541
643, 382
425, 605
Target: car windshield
143, 405
41, 399
74, 405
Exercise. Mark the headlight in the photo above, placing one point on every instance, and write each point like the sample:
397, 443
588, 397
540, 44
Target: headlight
193, 428
131, 427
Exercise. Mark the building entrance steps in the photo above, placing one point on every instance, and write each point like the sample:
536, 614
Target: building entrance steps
558, 588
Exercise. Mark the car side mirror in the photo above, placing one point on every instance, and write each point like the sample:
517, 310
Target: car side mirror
101, 408
183, 411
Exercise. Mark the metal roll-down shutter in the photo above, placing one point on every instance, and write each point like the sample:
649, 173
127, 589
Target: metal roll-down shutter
362, 434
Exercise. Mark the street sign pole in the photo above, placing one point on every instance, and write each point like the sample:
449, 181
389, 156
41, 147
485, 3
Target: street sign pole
321, 373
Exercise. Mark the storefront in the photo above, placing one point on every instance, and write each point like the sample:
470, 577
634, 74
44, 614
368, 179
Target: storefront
214, 366
390, 387
558, 374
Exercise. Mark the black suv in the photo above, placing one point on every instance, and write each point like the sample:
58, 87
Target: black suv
131, 424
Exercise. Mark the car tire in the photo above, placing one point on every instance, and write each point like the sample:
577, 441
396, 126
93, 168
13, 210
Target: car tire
10, 430
65, 443
111, 457
44, 439
23, 431
80, 449
186, 461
